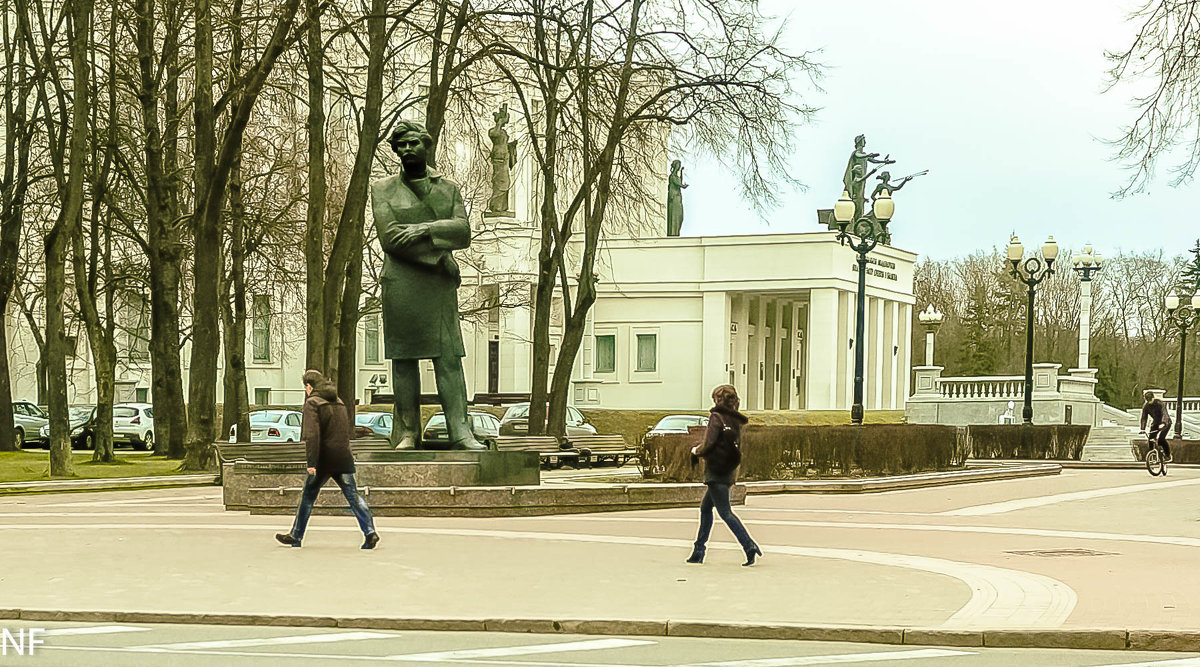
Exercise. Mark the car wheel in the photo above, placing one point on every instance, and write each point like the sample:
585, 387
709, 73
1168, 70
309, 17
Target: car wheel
146, 443
19, 438
89, 443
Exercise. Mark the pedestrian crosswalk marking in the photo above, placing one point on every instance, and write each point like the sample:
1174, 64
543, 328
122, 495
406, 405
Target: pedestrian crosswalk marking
91, 630
841, 659
271, 641
1179, 662
535, 649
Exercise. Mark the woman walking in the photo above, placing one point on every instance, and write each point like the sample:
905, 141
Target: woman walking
721, 451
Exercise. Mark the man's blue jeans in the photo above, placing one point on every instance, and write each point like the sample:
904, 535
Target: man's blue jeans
718, 498
312, 487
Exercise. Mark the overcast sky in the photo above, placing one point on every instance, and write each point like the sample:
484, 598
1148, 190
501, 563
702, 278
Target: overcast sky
1003, 103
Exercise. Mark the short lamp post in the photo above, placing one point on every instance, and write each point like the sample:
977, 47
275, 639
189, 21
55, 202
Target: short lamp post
1031, 271
1086, 264
1181, 310
931, 319
862, 235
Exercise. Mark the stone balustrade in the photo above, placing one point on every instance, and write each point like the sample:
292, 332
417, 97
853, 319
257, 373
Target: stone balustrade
983, 388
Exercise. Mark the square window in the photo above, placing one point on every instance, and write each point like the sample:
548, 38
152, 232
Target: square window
262, 396
647, 353
143, 394
606, 353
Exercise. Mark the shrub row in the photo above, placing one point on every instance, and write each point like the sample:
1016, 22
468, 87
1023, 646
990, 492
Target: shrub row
1182, 451
797, 452
1047, 441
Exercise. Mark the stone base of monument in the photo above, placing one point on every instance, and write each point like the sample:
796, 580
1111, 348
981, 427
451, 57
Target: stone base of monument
487, 500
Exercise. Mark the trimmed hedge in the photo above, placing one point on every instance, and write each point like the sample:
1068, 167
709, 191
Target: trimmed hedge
797, 452
1005, 441
1182, 451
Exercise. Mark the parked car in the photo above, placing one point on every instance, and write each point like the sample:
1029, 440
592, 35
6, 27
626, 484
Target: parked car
516, 421
272, 426
28, 420
133, 423
373, 424
675, 424
82, 420
484, 426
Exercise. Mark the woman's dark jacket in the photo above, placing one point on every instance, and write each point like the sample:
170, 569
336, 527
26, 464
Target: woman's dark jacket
326, 433
721, 449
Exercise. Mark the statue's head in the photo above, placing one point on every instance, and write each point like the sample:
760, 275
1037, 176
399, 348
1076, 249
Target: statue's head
411, 142
676, 165
884, 176
860, 141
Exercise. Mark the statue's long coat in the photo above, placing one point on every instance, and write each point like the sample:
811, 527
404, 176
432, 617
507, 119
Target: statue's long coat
420, 282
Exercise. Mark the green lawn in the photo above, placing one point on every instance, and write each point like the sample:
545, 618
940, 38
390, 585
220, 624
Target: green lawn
34, 465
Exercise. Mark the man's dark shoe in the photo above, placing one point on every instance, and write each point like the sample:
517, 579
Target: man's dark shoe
372, 540
286, 538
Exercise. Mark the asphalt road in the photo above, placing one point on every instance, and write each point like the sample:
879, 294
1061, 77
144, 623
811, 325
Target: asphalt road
100, 645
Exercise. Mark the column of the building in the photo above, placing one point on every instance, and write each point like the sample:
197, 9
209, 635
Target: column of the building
516, 349
890, 356
873, 392
796, 338
758, 378
741, 344
822, 346
847, 327
904, 325
771, 355
714, 344
783, 353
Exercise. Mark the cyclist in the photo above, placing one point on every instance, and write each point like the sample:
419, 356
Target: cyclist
1160, 419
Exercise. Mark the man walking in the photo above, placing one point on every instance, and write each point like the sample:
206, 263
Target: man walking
326, 435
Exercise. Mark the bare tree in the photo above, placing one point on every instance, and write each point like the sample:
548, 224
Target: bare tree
1162, 68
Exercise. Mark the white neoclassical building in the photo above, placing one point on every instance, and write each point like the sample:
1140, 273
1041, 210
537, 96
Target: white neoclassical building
773, 315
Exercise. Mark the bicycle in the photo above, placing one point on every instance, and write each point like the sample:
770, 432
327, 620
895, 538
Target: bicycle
1156, 458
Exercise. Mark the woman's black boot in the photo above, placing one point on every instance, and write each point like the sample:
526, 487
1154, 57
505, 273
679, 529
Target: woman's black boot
752, 553
697, 555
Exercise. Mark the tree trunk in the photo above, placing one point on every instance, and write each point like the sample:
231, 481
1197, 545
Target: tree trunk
165, 251
341, 291
314, 228
233, 312
8, 441
213, 165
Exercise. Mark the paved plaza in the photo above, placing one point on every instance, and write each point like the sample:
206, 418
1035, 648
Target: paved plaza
1087, 549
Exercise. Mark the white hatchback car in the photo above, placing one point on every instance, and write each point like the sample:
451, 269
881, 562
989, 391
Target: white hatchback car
133, 423
272, 426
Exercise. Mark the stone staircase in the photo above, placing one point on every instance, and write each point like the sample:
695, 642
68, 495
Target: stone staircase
1109, 443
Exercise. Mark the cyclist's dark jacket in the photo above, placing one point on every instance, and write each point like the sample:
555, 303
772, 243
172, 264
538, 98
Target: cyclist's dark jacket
1157, 410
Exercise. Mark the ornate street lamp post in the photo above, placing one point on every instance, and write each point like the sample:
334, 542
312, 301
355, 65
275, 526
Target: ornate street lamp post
1182, 312
932, 319
862, 230
1086, 264
1031, 271
867, 232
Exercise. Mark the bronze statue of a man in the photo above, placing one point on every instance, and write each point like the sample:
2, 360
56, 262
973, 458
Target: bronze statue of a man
421, 220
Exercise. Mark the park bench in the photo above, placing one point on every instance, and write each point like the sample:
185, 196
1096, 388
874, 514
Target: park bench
499, 398
548, 448
595, 449
289, 452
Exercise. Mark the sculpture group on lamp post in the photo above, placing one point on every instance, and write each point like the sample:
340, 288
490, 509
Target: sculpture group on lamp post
1031, 271
1181, 310
862, 230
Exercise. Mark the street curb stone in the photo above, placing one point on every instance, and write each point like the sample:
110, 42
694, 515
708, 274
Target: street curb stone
936, 637
1092, 639
1164, 640
113, 484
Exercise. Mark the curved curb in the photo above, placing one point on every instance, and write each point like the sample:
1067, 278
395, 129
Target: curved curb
1091, 639
979, 472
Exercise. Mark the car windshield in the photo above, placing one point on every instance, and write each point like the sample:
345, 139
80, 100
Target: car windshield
80, 413
363, 420
436, 420
266, 417
124, 412
517, 411
676, 423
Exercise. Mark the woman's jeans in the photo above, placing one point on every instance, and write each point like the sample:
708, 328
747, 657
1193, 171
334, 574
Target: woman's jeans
718, 497
312, 487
